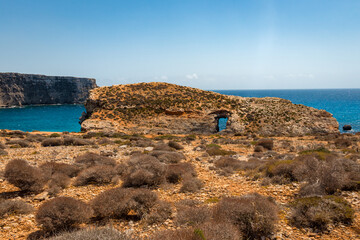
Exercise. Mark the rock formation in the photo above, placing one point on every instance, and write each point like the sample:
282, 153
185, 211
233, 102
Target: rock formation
162, 108
27, 89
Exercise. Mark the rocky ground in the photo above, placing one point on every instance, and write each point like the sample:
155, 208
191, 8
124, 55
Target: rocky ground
216, 184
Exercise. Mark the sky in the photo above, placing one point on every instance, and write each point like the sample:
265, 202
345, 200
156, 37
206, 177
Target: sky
212, 44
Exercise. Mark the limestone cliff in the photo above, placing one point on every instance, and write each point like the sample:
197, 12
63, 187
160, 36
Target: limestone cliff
171, 109
27, 89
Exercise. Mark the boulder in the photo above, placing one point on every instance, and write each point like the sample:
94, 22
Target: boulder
347, 127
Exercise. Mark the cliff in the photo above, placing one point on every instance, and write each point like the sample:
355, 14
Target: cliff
27, 89
162, 108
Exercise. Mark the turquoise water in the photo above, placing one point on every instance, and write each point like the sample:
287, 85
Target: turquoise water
51, 118
344, 104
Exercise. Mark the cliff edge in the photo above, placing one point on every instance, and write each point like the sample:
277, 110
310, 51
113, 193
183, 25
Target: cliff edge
28, 89
162, 108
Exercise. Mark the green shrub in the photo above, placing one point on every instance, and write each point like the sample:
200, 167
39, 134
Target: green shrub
54, 135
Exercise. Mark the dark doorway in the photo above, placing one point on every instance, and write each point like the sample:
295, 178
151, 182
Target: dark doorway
221, 123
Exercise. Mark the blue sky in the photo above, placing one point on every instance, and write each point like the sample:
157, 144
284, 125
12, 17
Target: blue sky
213, 44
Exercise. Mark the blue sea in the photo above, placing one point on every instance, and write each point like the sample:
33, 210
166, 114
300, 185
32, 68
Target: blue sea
344, 104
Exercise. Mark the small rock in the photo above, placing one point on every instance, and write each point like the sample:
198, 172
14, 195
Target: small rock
41, 196
123, 146
149, 149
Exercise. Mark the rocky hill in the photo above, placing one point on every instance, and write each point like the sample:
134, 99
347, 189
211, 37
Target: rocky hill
27, 89
162, 108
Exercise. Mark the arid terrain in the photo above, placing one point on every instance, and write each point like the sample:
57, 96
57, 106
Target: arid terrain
206, 169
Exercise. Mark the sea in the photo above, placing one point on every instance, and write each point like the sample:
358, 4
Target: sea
344, 104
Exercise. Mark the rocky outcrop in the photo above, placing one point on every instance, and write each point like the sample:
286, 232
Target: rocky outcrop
162, 108
27, 89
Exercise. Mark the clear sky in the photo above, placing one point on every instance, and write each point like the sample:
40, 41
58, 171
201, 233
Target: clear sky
212, 44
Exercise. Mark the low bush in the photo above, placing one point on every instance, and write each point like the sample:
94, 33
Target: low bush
175, 145
118, 202
228, 163
57, 182
144, 170
254, 215
72, 141
163, 147
2, 146
168, 157
100, 174
3, 152
266, 143
8, 207
342, 143
22, 143
208, 231
176, 172
93, 234
91, 159
159, 213
19, 173
50, 168
192, 216
62, 213
52, 142
215, 150
318, 212
191, 184
54, 135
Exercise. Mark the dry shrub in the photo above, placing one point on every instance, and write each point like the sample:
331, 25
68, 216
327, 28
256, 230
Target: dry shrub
218, 231
328, 177
192, 216
62, 213
52, 142
100, 174
208, 231
254, 215
228, 164
168, 157
179, 234
72, 141
50, 168
35, 138
118, 202
22, 143
144, 170
175, 145
281, 171
2, 146
343, 143
159, 213
3, 152
19, 173
90, 159
58, 181
163, 147
191, 184
318, 212
176, 172
8, 207
107, 233
266, 143
215, 150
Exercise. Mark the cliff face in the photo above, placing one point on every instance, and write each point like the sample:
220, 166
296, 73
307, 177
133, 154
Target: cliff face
171, 109
26, 89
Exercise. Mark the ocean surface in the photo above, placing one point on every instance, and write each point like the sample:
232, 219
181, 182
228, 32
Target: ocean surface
344, 104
